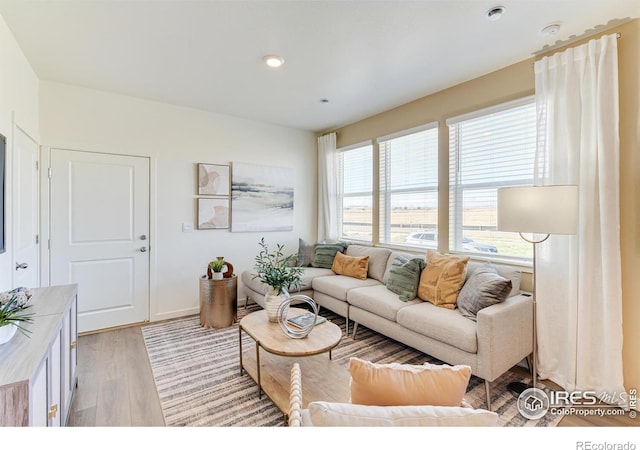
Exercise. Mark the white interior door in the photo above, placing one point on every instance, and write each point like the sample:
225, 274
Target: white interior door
99, 235
26, 207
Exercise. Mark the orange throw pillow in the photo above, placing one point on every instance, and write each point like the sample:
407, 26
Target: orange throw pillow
405, 384
442, 278
351, 266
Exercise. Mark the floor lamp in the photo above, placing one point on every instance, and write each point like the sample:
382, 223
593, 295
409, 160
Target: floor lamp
542, 210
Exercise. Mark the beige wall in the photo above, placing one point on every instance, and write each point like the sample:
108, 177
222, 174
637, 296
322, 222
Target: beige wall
629, 79
510, 83
629, 63
517, 81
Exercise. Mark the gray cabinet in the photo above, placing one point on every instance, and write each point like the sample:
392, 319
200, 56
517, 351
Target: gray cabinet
38, 373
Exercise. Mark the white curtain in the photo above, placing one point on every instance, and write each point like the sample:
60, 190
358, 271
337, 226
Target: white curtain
328, 187
578, 278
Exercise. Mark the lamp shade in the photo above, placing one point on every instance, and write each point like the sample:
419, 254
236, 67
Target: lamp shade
538, 209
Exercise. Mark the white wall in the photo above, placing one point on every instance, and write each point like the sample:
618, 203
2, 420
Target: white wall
176, 139
19, 103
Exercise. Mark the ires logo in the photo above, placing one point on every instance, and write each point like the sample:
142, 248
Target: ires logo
576, 398
534, 403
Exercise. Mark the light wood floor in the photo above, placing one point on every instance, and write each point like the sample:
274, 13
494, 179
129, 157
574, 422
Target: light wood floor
116, 387
115, 383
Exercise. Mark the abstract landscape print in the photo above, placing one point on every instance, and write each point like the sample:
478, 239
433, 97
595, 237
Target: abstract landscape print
261, 198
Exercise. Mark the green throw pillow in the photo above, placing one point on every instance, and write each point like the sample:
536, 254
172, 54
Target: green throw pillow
404, 277
326, 252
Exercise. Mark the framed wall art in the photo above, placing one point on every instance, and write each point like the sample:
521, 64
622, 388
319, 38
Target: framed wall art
213, 179
261, 198
213, 213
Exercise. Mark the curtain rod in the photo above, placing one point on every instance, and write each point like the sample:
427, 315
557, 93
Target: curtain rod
596, 30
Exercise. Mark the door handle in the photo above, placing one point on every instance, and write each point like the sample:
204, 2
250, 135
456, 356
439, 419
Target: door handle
53, 410
21, 266
143, 249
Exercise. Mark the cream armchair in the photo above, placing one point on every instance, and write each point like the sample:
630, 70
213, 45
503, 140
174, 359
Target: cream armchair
345, 414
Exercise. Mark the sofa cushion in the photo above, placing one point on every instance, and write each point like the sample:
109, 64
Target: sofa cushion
509, 272
404, 277
442, 279
326, 252
337, 286
308, 274
394, 254
351, 266
378, 300
306, 253
327, 414
445, 325
378, 257
483, 288
405, 384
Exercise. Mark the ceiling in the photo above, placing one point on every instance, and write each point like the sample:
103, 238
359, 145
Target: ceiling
365, 57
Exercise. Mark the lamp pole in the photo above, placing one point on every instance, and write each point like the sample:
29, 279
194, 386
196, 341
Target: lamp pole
517, 386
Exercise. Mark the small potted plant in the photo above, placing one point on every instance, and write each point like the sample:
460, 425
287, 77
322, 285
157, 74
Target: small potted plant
217, 266
13, 305
278, 271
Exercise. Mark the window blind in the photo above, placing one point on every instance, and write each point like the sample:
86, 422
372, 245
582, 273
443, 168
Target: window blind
356, 197
408, 183
488, 150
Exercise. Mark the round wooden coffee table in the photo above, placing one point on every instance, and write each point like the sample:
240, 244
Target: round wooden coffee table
270, 337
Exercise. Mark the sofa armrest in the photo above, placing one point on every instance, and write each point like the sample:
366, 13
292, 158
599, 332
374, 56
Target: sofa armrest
505, 335
295, 397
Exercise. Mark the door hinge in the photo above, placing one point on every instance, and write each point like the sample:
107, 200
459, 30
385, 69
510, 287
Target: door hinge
49, 172
37, 239
37, 165
48, 244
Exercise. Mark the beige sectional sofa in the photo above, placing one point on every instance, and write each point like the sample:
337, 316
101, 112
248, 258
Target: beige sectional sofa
499, 339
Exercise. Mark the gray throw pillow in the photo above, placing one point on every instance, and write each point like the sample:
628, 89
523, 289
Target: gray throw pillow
404, 277
326, 252
306, 253
485, 287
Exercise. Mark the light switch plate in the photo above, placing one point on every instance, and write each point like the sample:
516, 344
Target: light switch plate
187, 227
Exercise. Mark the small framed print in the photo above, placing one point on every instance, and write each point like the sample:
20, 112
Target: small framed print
213, 213
213, 179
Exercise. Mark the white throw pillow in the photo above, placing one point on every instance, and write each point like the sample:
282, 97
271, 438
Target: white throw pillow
330, 414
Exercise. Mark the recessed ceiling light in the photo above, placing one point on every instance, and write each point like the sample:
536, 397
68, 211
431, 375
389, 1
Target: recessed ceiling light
550, 30
495, 13
274, 61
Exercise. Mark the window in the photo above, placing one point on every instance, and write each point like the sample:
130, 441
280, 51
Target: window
489, 149
356, 196
409, 187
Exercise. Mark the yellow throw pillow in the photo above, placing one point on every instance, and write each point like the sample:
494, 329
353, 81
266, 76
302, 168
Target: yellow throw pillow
442, 279
351, 266
405, 384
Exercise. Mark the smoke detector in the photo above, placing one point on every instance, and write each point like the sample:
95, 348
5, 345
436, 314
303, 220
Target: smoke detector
550, 30
495, 13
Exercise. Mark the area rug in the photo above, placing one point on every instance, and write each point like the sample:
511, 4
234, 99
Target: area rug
197, 375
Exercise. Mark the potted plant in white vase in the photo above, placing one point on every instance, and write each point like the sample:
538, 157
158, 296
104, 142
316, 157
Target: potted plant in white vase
217, 266
278, 271
13, 305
